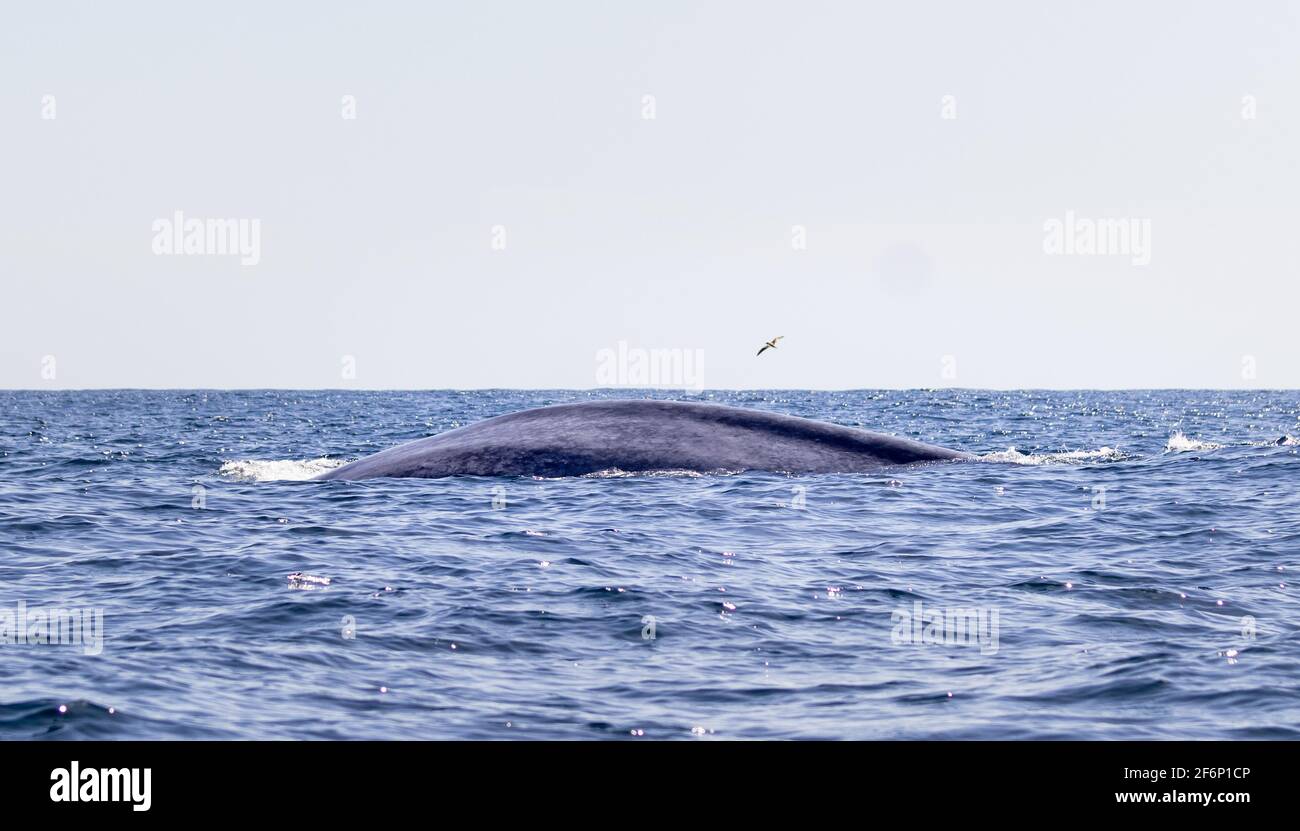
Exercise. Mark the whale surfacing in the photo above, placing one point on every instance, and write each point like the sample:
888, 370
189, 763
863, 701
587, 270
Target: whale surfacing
642, 436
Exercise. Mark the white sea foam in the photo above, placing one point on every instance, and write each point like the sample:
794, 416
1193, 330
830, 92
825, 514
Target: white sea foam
277, 470
616, 473
299, 580
1066, 457
1180, 443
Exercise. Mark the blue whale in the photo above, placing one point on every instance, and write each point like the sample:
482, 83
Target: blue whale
641, 436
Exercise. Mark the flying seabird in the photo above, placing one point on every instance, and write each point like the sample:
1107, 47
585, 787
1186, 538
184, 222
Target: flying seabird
770, 344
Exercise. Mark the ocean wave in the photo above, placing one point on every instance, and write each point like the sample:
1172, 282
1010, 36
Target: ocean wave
1066, 457
1283, 441
277, 470
1180, 443
618, 473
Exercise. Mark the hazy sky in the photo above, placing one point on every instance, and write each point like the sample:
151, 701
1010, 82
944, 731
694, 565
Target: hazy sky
527, 123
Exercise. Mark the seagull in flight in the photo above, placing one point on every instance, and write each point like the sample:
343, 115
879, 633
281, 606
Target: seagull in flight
770, 344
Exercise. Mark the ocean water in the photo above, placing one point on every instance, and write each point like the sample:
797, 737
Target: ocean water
1116, 565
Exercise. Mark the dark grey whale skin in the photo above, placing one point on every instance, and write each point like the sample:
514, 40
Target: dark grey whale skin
639, 436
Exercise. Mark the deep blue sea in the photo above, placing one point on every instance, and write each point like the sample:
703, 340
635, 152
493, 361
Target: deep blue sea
1122, 562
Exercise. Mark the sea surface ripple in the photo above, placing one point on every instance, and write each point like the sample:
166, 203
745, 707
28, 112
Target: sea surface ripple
1136, 548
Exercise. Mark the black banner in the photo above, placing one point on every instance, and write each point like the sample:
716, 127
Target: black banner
208, 780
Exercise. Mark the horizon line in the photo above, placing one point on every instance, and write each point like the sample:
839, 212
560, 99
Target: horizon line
681, 390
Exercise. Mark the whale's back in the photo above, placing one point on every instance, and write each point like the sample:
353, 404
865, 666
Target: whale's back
638, 436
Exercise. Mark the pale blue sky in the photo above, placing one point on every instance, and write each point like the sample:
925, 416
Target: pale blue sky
924, 234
